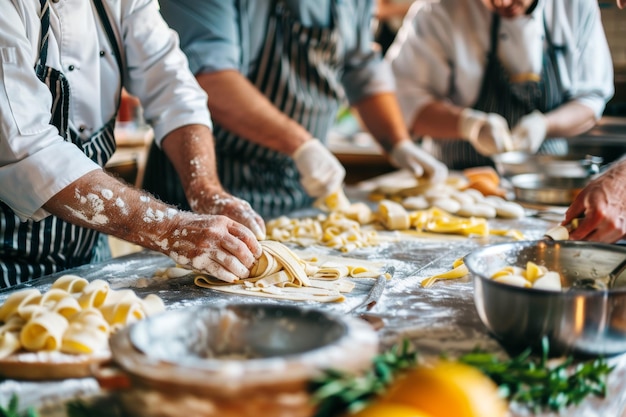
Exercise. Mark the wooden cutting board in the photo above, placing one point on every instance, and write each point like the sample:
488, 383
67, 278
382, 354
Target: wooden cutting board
38, 366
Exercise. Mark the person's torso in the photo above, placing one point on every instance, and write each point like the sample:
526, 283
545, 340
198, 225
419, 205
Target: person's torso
253, 15
521, 46
33, 248
75, 50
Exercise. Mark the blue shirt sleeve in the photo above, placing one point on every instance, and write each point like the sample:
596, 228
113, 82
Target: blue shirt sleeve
209, 32
220, 34
365, 72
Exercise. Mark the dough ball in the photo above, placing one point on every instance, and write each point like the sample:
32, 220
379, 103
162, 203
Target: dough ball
447, 204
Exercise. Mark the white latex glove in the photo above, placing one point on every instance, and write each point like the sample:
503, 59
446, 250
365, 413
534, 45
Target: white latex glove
321, 173
408, 155
487, 132
530, 132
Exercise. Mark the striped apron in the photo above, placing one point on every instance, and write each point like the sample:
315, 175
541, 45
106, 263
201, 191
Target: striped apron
511, 100
299, 71
31, 249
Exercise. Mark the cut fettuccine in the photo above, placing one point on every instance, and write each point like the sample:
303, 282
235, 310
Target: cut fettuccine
282, 273
459, 270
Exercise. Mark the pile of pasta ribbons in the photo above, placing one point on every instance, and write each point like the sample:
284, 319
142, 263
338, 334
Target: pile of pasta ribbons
74, 316
281, 273
347, 226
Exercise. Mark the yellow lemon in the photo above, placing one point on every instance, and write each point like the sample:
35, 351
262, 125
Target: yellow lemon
381, 409
448, 389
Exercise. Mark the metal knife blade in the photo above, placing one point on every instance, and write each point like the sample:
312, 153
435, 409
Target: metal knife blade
375, 292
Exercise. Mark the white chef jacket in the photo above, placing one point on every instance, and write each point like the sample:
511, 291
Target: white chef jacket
35, 162
441, 51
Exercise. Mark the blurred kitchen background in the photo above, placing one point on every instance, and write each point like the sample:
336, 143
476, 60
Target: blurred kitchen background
614, 21
357, 150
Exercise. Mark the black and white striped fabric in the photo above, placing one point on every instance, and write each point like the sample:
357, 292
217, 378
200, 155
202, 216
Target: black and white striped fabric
31, 249
299, 72
511, 100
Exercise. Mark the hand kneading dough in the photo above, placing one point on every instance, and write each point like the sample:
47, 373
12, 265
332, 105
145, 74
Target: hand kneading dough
281, 273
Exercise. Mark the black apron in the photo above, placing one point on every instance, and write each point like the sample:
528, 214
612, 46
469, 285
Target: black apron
31, 249
299, 71
511, 100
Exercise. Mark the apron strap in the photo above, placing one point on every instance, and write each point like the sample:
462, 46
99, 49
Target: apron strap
45, 30
495, 27
552, 51
106, 24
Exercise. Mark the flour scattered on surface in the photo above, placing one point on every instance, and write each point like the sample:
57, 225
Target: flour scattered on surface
163, 244
122, 205
153, 216
204, 261
179, 259
95, 215
171, 213
107, 194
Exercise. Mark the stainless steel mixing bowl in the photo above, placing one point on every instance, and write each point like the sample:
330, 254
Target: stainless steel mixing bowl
577, 321
543, 189
570, 166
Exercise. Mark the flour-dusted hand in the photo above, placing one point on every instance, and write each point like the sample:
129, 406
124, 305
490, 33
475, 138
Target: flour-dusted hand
408, 155
320, 172
488, 133
232, 207
530, 132
602, 207
213, 244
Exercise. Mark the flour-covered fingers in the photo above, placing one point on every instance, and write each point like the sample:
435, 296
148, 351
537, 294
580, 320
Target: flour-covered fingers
217, 267
241, 211
236, 247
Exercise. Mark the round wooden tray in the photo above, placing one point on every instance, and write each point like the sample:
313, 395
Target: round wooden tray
37, 366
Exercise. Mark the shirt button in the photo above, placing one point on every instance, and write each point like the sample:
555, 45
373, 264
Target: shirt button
71, 68
102, 53
55, 1
82, 128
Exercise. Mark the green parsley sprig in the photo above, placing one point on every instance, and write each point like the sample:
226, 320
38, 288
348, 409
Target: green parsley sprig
539, 384
12, 409
533, 382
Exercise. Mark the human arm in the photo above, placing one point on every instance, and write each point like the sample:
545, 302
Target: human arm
215, 48
242, 109
191, 150
601, 206
488, 133
212, 244
239, 107
175, 106
570, 119
386, 9
382, 117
